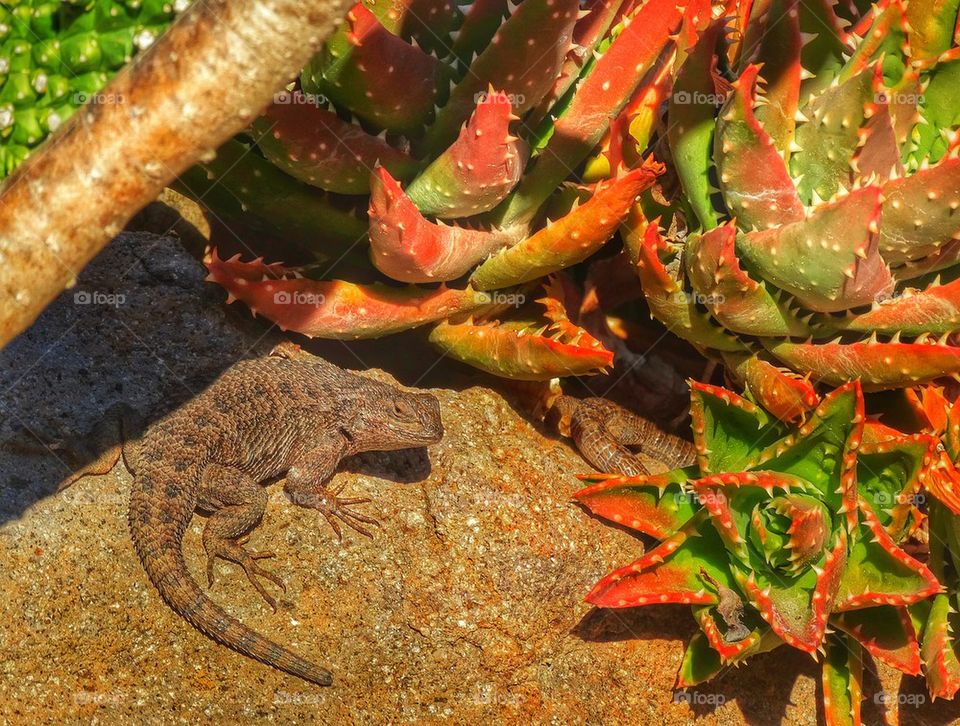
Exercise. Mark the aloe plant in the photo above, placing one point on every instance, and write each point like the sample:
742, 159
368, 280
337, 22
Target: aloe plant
781, 534
831, 245
461, 138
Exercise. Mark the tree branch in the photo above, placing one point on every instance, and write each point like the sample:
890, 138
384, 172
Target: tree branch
204, 80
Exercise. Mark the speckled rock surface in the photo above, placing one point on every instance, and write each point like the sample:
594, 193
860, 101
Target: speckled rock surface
466, 608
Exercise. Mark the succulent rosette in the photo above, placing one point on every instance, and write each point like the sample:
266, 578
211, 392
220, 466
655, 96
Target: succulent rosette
780, 535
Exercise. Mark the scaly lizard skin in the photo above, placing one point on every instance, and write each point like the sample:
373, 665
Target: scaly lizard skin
730, 608
289, 413
602, 431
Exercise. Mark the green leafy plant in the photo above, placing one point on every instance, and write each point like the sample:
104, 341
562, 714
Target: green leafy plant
780, 535
461, 137
56, 56
818, 199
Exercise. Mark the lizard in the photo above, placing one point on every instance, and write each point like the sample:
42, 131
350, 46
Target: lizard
288, 414
730, 608
603, 430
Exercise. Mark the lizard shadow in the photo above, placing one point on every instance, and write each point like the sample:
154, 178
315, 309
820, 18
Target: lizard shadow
404, 466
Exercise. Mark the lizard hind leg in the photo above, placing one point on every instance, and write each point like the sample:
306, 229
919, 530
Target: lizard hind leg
238, 503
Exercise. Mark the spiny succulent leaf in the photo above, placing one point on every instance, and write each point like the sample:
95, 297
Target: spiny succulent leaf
886, 632
729, 432
375, 74
669, 302
691, 110
829, 260
823, 53
752, 172
842, 680
336, 308
827, 141
934, 310
572, 238
823, 450
880, 573
932, 25
429, 22
920, 212
797, 608
941, 663
631, 131
700, 662
242, 186
780, 48
319, 148
939, 109
656, 505
599, 96
669, 573
876, 365
522, 60
735, 299
781, 392
884, 42
478, 170
889, 475
518, 352
407, 247
588, 33
481, 20
729, 651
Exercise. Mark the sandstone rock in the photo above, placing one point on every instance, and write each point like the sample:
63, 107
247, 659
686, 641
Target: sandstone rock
467, 607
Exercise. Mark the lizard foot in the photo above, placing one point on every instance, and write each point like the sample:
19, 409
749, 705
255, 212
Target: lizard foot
232, 551
334, 507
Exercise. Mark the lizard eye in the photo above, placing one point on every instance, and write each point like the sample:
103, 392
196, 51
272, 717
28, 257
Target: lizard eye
401, 409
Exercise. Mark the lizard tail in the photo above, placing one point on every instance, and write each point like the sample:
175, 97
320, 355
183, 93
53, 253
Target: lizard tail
164, 563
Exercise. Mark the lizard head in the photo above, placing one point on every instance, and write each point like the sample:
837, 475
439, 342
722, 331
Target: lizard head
407, 420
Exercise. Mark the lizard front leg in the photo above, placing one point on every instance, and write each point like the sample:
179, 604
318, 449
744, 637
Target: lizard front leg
306, 486
238, 503
115, 435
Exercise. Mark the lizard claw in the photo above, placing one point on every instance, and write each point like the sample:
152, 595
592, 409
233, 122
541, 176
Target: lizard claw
233, 552
334, 507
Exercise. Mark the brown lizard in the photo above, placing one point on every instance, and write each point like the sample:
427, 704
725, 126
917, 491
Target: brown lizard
730, 608
289, 413
603, 431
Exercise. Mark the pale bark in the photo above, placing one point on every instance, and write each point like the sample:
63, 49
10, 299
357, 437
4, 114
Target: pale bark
203, 80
